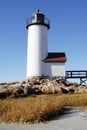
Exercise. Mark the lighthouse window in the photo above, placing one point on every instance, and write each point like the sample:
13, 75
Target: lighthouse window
40, 18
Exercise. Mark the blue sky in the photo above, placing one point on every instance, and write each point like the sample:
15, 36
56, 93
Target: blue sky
68, 33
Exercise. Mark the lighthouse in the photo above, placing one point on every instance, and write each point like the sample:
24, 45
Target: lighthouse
39, 60
37, 49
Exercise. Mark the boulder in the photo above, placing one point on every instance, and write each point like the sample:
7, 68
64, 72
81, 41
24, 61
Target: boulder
47, 85
81, 89
67, 90
51, 89
4, 92
45, 89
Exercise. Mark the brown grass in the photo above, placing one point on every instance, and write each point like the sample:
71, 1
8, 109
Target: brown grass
79, 100
38, 108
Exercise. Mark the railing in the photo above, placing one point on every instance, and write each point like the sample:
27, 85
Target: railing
76, 74
30, 21
46, 21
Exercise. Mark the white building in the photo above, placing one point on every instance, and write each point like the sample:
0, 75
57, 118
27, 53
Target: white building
39, 60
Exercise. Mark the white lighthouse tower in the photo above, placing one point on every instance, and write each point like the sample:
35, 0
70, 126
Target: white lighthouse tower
37, 27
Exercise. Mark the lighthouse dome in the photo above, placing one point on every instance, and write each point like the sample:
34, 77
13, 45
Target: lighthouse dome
39, 19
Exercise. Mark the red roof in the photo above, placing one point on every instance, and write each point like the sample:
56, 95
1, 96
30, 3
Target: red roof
55, 57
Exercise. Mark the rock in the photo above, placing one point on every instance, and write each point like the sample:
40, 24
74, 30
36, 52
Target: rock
27, 90
52, 84
4, 92
47, 85
2, 84
58, 90
64, 90
81, 89
22, 82
67, 90
45, 89
51, 88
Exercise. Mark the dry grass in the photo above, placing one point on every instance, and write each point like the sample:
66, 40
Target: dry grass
79, 100
38, 108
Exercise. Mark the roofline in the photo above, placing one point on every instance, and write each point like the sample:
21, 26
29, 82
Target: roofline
55, 61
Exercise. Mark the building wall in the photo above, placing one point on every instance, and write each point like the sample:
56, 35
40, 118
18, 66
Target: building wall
54, 69
37, 49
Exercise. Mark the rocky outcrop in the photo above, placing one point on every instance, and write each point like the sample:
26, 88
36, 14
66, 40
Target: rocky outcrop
44, 85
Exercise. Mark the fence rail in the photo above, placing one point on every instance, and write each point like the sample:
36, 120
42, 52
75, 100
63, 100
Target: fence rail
81, 74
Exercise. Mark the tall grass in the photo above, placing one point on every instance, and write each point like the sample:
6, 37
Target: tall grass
79, 100
39, 108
